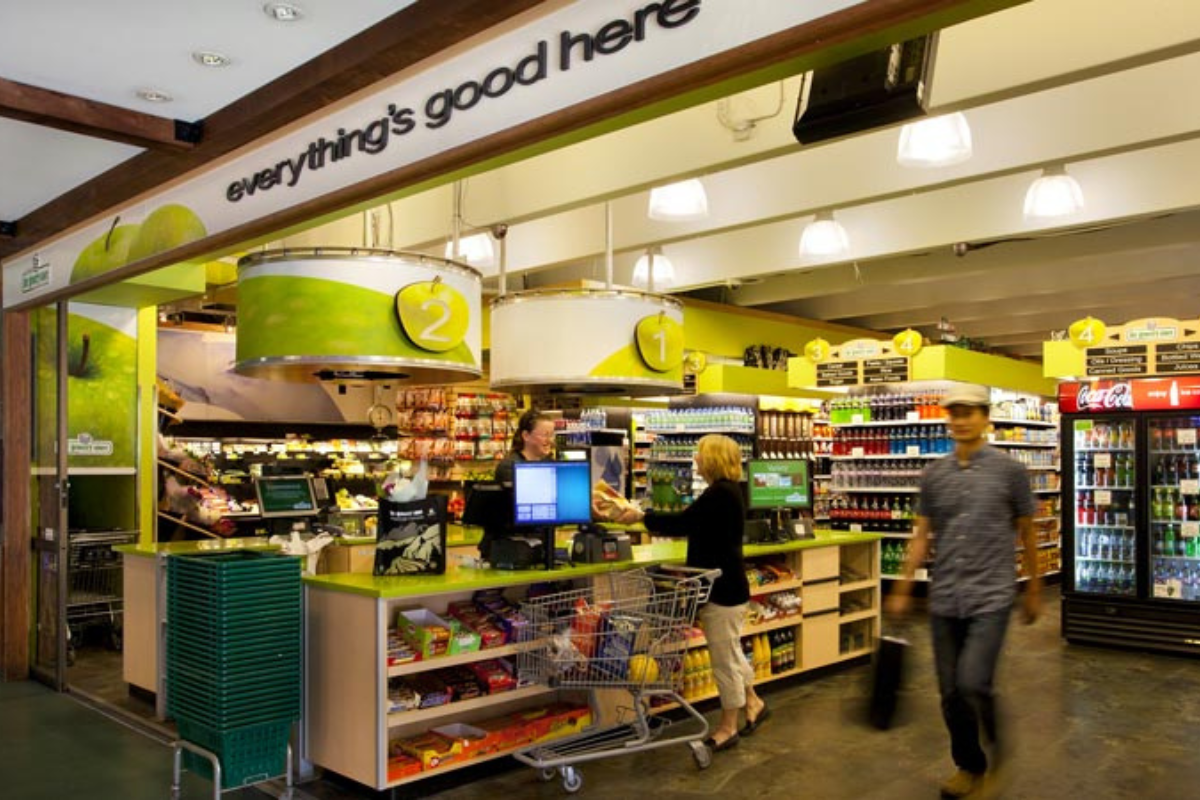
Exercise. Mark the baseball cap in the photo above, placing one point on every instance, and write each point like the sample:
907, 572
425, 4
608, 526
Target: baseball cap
967, 394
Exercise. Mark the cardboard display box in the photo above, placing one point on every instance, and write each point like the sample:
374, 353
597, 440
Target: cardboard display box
338, 558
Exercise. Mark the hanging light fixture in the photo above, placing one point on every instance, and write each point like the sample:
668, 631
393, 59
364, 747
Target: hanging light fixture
1054, 194
475, 250
824, 237
685, 201
935, 142
653, 270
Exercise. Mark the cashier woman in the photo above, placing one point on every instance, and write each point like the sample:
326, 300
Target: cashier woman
533, 440
713, 527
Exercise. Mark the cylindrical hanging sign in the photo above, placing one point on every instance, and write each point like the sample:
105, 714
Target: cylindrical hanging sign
343, 314
587, 342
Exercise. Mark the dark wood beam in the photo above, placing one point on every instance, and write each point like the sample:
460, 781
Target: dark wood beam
92, 118
398, 42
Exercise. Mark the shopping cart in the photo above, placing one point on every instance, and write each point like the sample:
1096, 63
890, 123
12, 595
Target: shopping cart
629, 632
94, 594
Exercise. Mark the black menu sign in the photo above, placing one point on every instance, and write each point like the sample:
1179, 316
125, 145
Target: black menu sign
1125, 360
885, 370
837, 373
1177, 357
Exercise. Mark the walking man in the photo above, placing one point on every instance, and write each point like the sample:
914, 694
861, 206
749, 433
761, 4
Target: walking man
974, 503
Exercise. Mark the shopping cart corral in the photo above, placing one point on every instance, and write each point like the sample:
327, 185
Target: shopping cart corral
628, 630
94, 595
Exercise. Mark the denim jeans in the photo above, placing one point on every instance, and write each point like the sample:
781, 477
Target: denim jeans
965, 651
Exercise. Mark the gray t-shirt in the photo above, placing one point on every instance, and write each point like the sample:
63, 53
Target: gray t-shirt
972, 512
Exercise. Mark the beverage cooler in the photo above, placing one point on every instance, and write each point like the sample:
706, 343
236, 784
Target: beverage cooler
1131, 513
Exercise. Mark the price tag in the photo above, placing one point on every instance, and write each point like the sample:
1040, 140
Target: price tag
912, 416
857, 452
1186, 436
856, 419
1171, 589
1189, 530
921, 574
912, 450
897, 514
1102, 460
1103, 497
856, 527
1189, 486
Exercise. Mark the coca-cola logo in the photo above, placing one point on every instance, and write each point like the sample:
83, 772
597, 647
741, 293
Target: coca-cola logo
1119, 395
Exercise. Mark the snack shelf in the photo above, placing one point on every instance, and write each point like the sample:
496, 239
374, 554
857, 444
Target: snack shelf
398, 718
424, 665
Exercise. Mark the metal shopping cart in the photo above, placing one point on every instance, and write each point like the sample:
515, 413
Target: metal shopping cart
627, 631
94, 594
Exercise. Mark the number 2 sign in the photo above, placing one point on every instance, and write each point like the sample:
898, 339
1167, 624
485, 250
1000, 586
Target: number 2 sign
434, 316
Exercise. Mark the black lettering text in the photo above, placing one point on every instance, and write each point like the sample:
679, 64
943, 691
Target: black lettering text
375, 136
402, 120
536, 62
677, 13
614, 36
567, 43
439, 108
234, 192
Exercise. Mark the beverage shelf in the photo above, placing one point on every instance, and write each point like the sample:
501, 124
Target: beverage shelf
1079, 450
1029, 423
887, 457
887, 577
1110, 488
889, 423
1047, 491
1010, 443
876, 489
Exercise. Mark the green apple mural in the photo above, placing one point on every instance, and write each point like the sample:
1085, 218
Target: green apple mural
163, 229
434, 316
101, 386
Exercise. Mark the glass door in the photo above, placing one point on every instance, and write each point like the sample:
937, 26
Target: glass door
1174, 508
1105, 480
49, 507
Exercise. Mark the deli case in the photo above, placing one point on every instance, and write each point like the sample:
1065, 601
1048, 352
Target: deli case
1131, 521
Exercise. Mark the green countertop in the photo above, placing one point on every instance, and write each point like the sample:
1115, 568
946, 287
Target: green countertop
461, 577
206, 546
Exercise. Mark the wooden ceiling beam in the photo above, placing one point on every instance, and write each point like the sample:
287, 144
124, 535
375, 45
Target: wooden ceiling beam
68, 112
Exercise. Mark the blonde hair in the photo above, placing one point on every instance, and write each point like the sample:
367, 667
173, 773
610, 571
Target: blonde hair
722, 457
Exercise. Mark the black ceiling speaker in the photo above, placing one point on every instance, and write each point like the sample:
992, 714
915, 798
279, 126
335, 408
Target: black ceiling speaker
869, 91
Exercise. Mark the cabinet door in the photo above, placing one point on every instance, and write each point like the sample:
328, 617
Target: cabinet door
819, 563
819, 640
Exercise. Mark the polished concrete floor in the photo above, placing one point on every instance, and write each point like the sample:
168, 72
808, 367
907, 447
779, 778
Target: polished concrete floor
1085, 723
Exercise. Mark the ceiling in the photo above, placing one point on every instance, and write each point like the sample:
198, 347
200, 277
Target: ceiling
1106, 87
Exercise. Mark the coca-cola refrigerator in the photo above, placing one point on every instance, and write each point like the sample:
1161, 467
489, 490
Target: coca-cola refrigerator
1131, 513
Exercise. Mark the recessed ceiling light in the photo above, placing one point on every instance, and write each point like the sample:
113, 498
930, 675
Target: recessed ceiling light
154, 96
283, 12
207, 58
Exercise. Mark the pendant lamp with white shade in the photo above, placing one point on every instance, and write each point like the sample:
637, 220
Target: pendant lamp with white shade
685, 201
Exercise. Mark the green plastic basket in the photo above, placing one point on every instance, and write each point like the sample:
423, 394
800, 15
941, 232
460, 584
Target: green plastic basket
248, 754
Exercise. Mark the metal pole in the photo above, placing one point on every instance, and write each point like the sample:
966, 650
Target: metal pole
608, 245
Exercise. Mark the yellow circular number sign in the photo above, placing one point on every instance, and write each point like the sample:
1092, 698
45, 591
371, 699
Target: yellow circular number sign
1087, 332
817, 350
907, 342
434, 316
660, 342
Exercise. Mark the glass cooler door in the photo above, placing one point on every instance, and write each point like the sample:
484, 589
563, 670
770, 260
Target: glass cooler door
1174, 508
1104, 513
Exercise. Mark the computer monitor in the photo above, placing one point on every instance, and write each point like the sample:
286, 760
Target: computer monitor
286, 496
550, 493
489, 505
778, 484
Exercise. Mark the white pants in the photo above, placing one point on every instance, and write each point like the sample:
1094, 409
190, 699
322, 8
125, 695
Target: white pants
723, 628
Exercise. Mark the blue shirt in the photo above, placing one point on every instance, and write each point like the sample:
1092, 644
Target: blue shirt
972, 513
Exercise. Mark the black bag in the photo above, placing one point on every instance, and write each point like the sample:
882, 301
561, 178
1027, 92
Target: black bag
412, 537
887, 678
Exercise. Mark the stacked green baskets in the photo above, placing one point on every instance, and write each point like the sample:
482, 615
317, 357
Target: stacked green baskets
234, 660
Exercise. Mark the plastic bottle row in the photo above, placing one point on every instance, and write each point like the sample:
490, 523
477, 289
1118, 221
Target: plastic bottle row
1035, 458
1103, 436
1105, 578
893, 556
886, 407
684, 447
1175, 434
1104, 469
908, 440
1169, 470
1173, 574
1170, 542
683, 420
881, 513
1104, 508
1105, 545
849, 475
771, 653
1168, 503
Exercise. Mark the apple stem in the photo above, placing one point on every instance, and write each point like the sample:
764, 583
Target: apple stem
111, 229
80, 369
